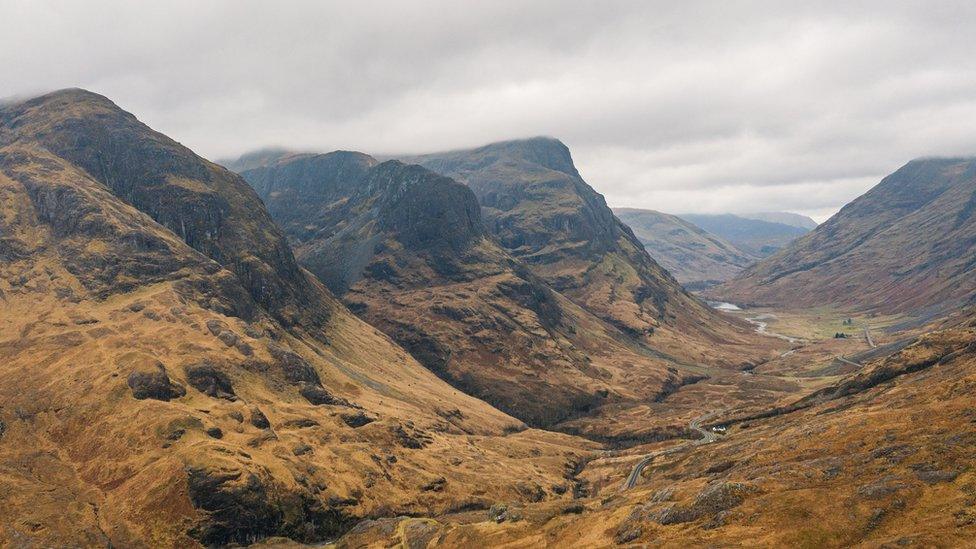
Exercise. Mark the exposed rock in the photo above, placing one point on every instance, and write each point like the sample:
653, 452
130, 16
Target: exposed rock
301, 449
711, 501
154, 384
435, 485
228, 338
497, 512
295, 368
242, 507
316, 394
258, 419
215, 432
356, 419
216, 327
210, 381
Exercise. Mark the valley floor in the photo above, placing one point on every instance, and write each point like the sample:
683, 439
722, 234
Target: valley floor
860, 440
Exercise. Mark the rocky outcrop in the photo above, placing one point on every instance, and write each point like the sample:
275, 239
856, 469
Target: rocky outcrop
408, 250
155, 384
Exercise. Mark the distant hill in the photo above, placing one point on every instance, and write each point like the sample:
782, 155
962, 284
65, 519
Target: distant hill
906, 245
757, 237
786, 218
695, 257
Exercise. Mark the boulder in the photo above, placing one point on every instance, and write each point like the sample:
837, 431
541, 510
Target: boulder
154, 384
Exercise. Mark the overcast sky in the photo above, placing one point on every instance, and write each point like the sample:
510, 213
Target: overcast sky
676, 106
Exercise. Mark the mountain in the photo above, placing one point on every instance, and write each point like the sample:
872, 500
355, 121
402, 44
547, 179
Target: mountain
696, 258
539, 208
759, 238
908, 245
172, 377
407, 250
881, 458
786, 218
254, 159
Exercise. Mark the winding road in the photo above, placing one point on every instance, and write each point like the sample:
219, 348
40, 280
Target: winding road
695, 424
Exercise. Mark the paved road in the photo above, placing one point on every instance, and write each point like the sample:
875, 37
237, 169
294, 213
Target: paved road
707, 437
851, 362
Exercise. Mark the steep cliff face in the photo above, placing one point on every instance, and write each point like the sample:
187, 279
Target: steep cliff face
207, 206
908, 246
407, 249
172, 377
543, 213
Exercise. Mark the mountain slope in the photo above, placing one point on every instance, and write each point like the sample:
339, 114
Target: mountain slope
172, 377
907, 245
696, 258
407, 250
542, 212
883, 458
786, 218
754, 236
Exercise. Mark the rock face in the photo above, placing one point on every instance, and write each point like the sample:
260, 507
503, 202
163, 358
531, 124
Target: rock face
408, 250
756, 236
148, 304
537, 205
696, 258
908, 245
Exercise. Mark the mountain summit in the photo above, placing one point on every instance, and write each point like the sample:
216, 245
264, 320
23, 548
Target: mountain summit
907, 245
540, 209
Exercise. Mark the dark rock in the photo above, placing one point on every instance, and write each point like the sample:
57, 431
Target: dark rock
215, 432
627, 533
301, 449
318, 396
258, 419
575, 508
711, 501
228, 338
357, 419
935, 477
408, 440
436, 485
236, 416
210, 381
497, 512
295, 368
244, 348
558, 489
720, 467
154, 384
530, 491
216, 326
240, 507
300, 423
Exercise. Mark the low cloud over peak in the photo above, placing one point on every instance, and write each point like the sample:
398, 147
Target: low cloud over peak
702, 107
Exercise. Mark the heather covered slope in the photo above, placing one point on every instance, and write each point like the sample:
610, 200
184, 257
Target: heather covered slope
173, 378
882, 458
537, 205
696, 258
908, 245
407, 250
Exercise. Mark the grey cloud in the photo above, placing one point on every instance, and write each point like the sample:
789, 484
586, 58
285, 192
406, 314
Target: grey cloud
702, 106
